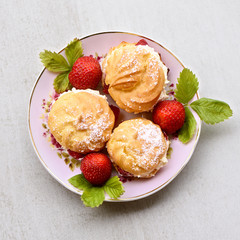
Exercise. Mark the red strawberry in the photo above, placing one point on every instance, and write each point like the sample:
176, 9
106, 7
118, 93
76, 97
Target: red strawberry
55, 143
142, 42
116, 112
105, 88
96, 168
86, 73
75, 155
169, 115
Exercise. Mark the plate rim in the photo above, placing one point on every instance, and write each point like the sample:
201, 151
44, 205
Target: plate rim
76, 191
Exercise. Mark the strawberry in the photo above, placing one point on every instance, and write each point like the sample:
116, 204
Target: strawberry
105, 88
86, 73
116, 112
55, 143
96, 168
75, 155
169, 115
142, 42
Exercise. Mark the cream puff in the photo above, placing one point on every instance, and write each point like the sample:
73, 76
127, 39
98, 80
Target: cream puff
81, 121
135, 76
138, 147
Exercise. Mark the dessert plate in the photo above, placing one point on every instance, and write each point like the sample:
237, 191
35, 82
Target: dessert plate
60, 167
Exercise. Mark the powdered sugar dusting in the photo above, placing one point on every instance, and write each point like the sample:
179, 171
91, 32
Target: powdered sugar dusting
97, 129
81, 122
153, 144
96, 133
154, 60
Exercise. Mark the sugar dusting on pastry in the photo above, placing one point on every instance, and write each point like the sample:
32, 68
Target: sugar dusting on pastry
152, 140
154, 60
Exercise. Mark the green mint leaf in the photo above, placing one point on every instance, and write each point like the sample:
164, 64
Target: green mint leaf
188, 129
211, 111
61, 83
74, 51
186, 87
54, 62
113, 187
80, 182
93, 197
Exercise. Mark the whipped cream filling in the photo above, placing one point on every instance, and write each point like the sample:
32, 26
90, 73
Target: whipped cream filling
94, 92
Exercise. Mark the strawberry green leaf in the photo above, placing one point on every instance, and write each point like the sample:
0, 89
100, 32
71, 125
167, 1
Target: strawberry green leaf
186, 87
93, 197
188, 129
74, 51
61, 83
54, 62
113, 187
80, 182
211, 111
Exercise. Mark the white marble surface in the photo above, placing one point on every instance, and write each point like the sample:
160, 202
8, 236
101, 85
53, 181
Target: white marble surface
202, 202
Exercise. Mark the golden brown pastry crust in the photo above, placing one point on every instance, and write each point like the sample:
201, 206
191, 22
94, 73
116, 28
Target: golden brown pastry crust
81, 121
135, 75
138, 147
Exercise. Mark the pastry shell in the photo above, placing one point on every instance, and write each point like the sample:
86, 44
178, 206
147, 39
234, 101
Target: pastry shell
81, 121
138, 147
135, 76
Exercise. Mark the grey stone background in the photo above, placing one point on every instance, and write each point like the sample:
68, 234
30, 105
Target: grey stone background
202, 202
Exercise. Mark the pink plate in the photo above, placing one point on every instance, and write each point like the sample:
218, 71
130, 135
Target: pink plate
100, 43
